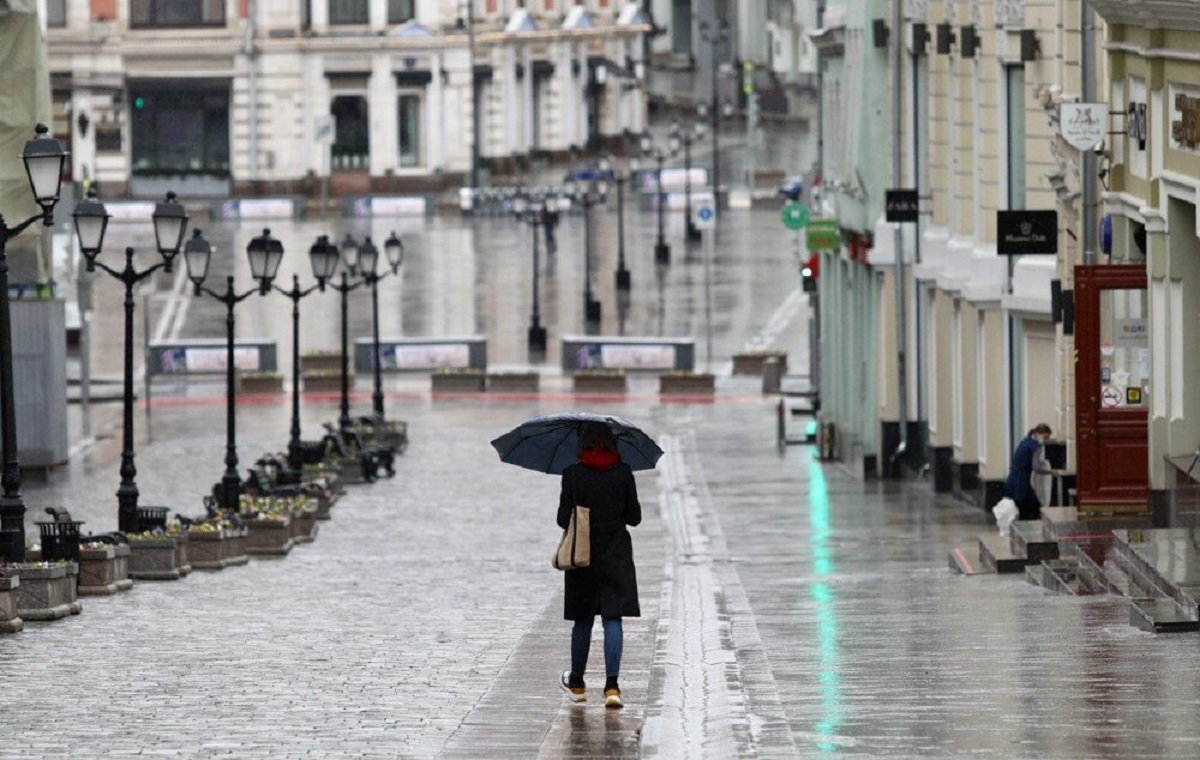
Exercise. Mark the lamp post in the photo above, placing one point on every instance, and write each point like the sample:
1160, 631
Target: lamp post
662, 251
91, 222
624, 174
368, 260
715, 37
43, 158
587, 194
323, 256
265, 253
530, 211
683, 138
349, 259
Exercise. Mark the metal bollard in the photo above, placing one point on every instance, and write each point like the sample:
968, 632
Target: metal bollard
772, 375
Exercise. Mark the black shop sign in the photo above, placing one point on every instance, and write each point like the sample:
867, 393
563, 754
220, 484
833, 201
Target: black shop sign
1022, 232
902, 205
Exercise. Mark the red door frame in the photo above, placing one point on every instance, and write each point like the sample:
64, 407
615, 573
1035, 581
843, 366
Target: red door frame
1113, 456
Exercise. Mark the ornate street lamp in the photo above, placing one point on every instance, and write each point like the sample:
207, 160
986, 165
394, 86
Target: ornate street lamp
683, 138
529, 210
349, 260
91, 222
587, 194
624, 174
265, 253
323, 256
662, 251
43, 158
715, 38
368, 260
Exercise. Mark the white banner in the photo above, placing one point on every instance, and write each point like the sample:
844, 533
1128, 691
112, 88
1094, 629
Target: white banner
456, 355
637, 357
213, 359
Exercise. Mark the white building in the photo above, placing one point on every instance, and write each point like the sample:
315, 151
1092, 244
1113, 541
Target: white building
214, 97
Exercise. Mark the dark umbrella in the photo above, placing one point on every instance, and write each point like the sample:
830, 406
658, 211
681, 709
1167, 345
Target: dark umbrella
551, 443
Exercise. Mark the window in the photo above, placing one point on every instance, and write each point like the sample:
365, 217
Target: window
400, 11
351, 143
180, 131
56, 13
410, 130
348, 12
175, 13
1015, 95
108, 137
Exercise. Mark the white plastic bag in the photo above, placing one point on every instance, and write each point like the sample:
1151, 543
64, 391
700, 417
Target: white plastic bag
1006, 512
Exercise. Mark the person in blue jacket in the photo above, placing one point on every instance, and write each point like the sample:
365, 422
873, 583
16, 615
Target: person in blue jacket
1018, 486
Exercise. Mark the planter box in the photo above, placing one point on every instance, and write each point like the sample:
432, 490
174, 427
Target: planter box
325, 502
47, 593
319, 362
235, 546
259, 384
686, 385
181, 553
455, 382
154, 559
304, 525
600, 383
10, 620
269, 537
752, 363
206, 549
513, 382
104, 571
321, 383
351, 471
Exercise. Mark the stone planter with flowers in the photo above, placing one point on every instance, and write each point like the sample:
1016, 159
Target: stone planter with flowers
457, 380
258, 383
10, 619
322, 381
686, 384
154, 556
600, 381
215, 545
304, 523
103, 569
751, 362
46, 590
269, 534
513, 382
328, 361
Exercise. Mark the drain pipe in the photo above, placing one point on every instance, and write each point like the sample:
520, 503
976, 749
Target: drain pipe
897, 181
1087, 30
248, 49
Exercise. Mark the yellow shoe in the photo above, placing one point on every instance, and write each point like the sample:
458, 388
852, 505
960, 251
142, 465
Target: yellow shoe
574, 693
612, 698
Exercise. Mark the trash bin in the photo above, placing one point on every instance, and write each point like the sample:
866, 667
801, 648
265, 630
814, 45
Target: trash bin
151, 518
60, 540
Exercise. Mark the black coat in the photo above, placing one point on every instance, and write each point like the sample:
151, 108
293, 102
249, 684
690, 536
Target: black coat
608, 587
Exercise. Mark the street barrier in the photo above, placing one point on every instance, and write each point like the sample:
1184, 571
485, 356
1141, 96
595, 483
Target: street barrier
208, 356
648, 354
422, 354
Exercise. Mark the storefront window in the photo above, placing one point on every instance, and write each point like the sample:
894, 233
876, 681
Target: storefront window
410, 130
56, 13
180, 132
348, 12
176, 13
1124, 350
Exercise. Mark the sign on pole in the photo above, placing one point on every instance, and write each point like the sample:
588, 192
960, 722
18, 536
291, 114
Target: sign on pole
705, 216
902, 205
1083, 125
1024, 232
795, 215
824, 235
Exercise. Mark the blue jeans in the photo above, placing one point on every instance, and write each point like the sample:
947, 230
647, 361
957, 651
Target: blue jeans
581, 643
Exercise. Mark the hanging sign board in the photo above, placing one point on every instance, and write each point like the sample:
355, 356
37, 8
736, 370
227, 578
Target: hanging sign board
824, 235
1083, 125
794, 215
1025, 232
902, 205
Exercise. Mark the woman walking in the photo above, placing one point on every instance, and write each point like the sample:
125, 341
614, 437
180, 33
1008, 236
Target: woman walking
608, 586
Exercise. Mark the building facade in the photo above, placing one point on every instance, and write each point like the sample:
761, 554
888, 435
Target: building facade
214, 97
984, 354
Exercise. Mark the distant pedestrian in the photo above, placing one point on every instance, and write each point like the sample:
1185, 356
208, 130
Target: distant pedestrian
608, 586
550, 225
1026, 462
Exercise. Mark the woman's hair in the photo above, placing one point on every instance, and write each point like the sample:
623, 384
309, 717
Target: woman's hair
597, 435
1041, 427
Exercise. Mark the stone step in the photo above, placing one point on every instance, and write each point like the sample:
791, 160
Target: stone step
1030, 538
995, 554
965, 561
1161, 616
1061, 576
1163, 562
1106, 577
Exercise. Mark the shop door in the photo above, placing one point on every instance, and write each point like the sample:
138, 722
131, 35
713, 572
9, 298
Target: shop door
1112, 381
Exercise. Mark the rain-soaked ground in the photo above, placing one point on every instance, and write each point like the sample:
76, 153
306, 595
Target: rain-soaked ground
789, 609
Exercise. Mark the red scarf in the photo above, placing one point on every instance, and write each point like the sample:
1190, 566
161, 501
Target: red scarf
601, 460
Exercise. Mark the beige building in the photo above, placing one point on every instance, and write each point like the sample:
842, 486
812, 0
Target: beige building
214, 97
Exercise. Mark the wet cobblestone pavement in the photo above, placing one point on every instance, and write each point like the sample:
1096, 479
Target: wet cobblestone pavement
789, 609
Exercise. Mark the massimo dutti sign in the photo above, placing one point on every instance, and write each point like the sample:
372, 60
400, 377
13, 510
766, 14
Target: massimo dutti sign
1024, 232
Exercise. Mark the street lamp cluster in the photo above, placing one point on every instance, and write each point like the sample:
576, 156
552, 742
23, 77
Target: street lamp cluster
530, 209
265, 254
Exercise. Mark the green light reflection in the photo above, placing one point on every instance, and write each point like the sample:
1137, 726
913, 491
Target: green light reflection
822, 595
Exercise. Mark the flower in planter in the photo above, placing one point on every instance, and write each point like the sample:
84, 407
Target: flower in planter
458, 371
147, 535
93, 546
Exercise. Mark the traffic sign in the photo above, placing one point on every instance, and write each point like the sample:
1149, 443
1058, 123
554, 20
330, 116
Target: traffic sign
795, 215
705, 216
824, 235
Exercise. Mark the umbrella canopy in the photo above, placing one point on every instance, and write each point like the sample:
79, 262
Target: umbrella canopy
551, 443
